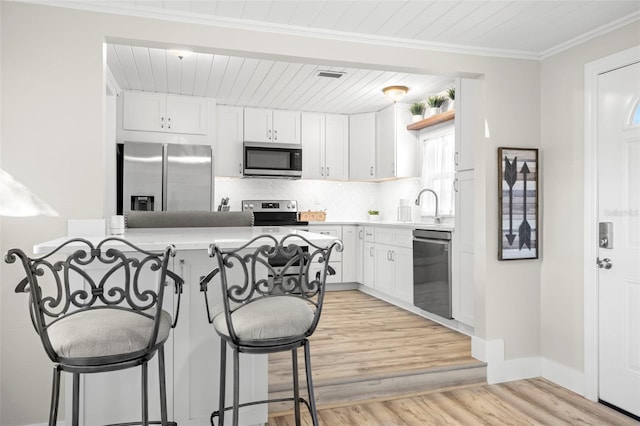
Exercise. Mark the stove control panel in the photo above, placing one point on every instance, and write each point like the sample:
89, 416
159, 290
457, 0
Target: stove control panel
270, 206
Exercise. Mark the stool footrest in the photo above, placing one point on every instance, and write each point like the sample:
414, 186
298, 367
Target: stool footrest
266, 401
155, 422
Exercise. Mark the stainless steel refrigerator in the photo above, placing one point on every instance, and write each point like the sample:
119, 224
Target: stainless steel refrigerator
164, 177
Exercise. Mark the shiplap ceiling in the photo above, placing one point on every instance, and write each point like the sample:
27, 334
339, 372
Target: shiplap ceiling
526, 28
263, 83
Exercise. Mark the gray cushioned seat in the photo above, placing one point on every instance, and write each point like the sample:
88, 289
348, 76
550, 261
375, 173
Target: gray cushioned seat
104, 332
269, 318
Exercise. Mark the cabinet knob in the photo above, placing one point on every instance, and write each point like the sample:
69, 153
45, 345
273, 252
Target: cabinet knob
455, 158
240, 168
162, 122
327, 171
371, 171
455, 184
269, 134
275, 135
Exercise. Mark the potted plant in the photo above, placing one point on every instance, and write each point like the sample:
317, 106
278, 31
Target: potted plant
374, 215
417, 110
451, 94
435, 102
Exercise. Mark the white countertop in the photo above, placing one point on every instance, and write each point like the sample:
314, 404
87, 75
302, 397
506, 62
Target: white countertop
193, 238
447, 226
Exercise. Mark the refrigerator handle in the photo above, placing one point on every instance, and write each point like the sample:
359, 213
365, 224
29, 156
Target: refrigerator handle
165, 166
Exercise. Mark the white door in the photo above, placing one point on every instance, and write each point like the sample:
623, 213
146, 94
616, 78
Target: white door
313, 145
618, 142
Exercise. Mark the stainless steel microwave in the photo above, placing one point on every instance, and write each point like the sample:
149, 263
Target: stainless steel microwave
272, 160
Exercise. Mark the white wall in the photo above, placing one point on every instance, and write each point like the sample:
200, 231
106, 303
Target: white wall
562, 83
52, 140
343, 201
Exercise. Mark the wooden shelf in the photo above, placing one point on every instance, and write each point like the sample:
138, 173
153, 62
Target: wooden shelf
433, 120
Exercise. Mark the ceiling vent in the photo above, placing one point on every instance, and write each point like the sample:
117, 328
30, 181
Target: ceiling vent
331, 74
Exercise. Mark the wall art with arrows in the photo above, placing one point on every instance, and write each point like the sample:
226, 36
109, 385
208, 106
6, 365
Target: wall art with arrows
518, 204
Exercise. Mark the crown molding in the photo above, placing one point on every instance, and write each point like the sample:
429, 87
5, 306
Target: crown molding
260, 26
612, 26
141, 11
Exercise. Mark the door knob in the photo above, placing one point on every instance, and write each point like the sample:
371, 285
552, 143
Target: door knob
604, 263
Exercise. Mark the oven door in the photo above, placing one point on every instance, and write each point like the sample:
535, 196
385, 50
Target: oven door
272, 160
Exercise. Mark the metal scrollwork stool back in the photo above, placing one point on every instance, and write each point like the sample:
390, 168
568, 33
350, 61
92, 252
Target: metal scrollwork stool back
97, 308
272, 294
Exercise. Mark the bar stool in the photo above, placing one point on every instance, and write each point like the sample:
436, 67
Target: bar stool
272, 294
100, 309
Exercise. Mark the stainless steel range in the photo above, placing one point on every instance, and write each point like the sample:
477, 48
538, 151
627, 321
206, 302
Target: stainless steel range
273, 212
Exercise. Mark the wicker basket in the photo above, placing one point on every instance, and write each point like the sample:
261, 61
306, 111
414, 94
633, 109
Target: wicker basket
313, 216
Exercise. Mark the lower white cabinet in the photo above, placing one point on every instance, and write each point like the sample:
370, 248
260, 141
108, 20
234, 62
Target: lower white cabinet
394, 271
349, 253
369, 262
336, 257
388, 261
462, 256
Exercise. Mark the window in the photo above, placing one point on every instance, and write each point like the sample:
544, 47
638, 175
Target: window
438, 171
634, 120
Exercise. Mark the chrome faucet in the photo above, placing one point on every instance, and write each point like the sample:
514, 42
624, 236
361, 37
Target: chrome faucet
436, 218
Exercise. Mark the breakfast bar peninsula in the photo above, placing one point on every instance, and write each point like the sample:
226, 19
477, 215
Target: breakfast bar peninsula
193, 349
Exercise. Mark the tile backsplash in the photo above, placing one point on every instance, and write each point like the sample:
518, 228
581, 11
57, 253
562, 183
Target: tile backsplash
341, 200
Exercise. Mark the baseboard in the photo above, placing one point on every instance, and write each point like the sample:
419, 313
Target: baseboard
500, 370
564, 376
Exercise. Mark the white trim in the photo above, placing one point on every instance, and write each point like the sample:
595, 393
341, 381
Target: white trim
612, 26
500, 370
245, 24
591, 72
562, 375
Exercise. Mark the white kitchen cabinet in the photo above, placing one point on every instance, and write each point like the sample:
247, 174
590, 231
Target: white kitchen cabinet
228, 145
470, 130
349, 253
325, 141
396, 147
368, 264
336, 257
385, 273
462, 256
403, 262
159, 112
266, 125
469, 124
362, 146
394, 262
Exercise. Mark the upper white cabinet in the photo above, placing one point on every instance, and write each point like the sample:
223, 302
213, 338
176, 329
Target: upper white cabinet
336, 146
325, 141
396, 147
266, 125
228, 144
159, 112
362, 146
469, 122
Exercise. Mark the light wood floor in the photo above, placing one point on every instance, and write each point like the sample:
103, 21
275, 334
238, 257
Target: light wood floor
365, 348
376, 364
524, 402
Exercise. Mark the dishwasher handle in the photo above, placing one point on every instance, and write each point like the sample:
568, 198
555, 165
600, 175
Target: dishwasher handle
427, 234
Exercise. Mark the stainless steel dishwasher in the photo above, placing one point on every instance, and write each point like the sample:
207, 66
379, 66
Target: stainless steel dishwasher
432, 271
